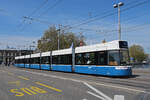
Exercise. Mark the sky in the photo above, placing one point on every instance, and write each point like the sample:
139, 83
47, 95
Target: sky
95, 19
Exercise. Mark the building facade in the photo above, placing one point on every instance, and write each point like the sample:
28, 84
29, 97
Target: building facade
7, 57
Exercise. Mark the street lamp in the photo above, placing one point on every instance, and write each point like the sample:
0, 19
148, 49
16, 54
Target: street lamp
119, 25
58, 37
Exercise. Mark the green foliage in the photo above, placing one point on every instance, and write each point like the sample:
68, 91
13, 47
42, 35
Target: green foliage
137, 52
49, 41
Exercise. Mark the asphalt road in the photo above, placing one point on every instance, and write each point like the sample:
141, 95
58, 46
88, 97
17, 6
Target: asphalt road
31, 84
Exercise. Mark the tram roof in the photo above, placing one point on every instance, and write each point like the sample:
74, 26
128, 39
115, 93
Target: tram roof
113, 45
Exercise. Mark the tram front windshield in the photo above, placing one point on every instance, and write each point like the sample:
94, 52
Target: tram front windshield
118, 58
124, 57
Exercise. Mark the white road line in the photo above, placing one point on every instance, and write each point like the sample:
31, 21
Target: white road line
118, 97
121, 87
75, 80
96, 95
84, 99
97, 91
2, 71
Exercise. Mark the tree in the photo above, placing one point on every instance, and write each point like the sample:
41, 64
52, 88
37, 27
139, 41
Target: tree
137, 53
49, 40
104, 41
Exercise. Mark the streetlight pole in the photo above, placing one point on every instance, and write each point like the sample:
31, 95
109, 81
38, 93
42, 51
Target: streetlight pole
119, 24
58, 40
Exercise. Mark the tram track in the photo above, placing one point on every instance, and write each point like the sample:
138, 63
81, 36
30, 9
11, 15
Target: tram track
127, 82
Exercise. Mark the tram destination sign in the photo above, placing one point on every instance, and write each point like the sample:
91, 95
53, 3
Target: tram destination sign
123, 44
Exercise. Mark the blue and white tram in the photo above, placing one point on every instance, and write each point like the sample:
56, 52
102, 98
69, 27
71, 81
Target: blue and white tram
109, 59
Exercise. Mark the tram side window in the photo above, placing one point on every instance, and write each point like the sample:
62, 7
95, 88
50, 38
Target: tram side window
31, 61
45, 60
20, 61
101, 58
79, 59
62, 59
55, 60
69, 59
17, 61
23, 61
89, 59
65, 59
85, 59
114, 58
124, 57
27, 61
36, 60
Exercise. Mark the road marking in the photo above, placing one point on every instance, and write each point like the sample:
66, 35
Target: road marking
26, 91
17, 83
32, 90
17, 93
119, 87
38, 89
9, 73
75, 80
96, 95
48, 86
99, 92
118, 97
24, 78
84, 99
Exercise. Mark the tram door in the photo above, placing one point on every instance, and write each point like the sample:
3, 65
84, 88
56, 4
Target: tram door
102, 58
